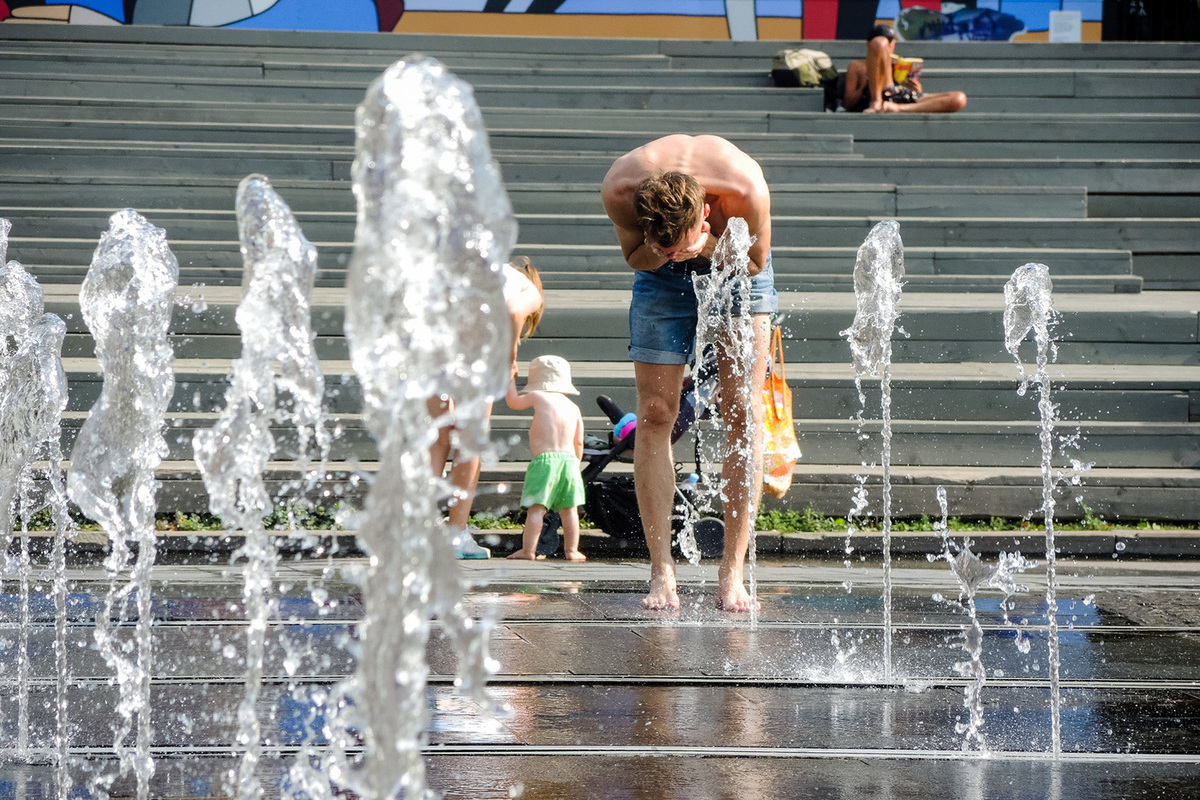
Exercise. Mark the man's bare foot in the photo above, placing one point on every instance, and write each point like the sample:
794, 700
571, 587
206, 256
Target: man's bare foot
735, 598
574, 555
524, 555
663, 594
731, 593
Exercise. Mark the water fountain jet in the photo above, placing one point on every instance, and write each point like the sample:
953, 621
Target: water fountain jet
425, 316
126, 299
878, 278
277, 359
1028, 307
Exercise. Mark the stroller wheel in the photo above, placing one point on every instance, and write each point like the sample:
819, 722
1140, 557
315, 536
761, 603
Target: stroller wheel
709, 533
710, 536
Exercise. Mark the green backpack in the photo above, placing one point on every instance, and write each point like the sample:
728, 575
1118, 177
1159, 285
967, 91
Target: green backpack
802, 68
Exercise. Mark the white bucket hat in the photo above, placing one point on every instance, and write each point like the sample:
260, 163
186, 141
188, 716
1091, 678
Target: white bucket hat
550, 374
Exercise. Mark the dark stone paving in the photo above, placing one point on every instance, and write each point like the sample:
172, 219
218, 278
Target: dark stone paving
599, 698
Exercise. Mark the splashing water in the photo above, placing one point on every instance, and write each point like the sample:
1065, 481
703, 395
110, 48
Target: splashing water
724, 324
1028, 307
33, 394
972, 575
878, 279
425, 316
126, 300
277, 357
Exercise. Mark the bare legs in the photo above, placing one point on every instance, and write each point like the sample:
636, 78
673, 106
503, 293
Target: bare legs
875, 74
464, 474
534, 518
741, 472
878, 71
937, 103
570, 526
658, 388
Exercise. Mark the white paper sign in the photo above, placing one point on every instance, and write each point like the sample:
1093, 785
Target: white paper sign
1066, 26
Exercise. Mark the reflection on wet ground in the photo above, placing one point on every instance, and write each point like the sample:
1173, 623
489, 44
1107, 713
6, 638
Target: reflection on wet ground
590, 686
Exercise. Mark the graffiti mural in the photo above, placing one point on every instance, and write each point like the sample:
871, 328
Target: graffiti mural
321, 15
685, 19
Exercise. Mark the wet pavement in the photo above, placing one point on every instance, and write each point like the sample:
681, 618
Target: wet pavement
600, 699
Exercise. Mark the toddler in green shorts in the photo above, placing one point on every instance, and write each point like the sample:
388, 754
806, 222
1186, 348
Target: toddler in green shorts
552, 480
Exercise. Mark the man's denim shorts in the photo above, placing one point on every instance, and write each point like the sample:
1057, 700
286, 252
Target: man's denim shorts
662, 315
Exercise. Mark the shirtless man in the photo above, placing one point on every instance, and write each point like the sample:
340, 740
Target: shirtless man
669, 201
868, 81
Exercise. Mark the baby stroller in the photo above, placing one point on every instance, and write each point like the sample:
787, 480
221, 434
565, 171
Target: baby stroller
611, 502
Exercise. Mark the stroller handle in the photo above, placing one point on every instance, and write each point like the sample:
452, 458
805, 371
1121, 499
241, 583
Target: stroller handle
610, 409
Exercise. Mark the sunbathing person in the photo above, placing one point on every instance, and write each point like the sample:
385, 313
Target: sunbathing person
870, 87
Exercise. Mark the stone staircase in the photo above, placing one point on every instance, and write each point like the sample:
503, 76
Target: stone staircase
1083, 157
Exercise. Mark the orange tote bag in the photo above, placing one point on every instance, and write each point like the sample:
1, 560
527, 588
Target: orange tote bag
781, 450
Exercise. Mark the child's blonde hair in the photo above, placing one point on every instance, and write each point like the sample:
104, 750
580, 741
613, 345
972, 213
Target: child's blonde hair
526, 267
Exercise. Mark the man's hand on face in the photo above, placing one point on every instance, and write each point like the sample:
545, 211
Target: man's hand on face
687, 251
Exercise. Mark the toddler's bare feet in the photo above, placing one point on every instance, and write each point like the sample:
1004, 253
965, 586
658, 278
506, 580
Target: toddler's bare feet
663, 594
524, 555
574, 555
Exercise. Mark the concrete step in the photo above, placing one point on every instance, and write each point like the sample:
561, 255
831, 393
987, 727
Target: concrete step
1161, 319
806, 283
25, 131
909, 128
1150, 235
977, 443
983, 126
810, 281
797, 269
1141, 445
1022, 148
978, 391
1014, 54
350, 92
336, 196
1140, 205
29, 124
577, 261
1099, 175
1146, 235
1117, 494
941, 393
1062, 80
55, 258
1086, 95
252, 62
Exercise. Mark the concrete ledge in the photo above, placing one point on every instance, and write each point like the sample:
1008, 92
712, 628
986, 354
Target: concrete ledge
1115, 544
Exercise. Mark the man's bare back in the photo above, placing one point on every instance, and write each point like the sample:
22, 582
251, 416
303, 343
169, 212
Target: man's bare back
733, 183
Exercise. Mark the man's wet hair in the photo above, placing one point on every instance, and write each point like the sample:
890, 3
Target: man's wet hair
668, 207
882, 30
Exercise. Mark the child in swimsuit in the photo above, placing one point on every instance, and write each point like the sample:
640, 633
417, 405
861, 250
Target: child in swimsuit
552, 480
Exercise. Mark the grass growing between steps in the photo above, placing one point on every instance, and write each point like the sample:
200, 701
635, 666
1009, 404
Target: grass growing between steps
808, 520
311, 518
812, 521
